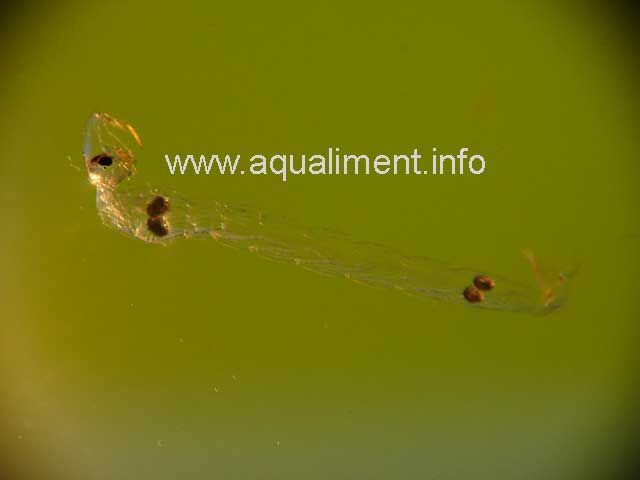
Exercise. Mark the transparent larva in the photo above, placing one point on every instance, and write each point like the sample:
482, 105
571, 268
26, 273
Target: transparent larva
110, 150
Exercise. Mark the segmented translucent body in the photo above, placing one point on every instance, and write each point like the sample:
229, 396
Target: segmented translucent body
110, 150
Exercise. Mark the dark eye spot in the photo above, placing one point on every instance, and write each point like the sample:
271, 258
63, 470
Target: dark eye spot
158, 206
158, 226
102, 159
105, 161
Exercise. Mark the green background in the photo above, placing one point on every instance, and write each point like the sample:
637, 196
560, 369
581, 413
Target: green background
123, 360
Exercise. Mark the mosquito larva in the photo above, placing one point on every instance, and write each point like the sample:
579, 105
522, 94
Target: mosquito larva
137, 211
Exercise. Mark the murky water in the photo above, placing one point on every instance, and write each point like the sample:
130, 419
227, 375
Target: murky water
121, 359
